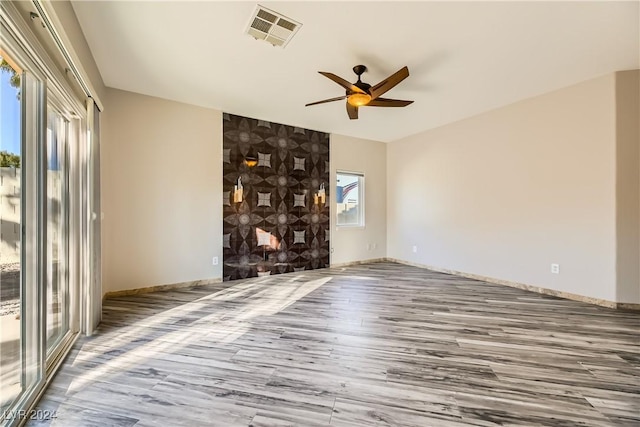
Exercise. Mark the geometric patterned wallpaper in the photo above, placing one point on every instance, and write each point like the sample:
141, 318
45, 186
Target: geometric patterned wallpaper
279, 226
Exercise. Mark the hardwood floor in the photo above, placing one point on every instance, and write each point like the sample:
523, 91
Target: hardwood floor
377, 344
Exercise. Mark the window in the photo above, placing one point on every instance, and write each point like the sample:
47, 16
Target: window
350, 199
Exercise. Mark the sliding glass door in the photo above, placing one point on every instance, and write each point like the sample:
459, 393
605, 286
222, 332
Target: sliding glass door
57, 278
42, 129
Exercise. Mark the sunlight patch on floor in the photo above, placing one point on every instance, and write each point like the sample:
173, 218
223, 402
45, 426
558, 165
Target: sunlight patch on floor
259, 298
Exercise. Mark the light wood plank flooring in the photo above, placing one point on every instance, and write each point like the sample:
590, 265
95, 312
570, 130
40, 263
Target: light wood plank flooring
373, 345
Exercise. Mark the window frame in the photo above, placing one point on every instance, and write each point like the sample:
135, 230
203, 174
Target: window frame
361, 199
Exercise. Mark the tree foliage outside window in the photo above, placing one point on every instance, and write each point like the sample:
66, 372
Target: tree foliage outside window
9, 160
14, 80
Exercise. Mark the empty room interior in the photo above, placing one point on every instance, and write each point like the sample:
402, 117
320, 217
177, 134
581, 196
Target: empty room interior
320, 213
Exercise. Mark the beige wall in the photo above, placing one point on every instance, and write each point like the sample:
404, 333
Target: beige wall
628, 186
162, 193
162, 186
506, 193
351, 244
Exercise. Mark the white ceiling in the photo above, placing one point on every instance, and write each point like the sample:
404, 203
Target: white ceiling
464, 58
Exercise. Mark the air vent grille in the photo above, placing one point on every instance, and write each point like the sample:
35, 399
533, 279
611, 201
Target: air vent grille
260, 25
286, 24
266, 15
272, 27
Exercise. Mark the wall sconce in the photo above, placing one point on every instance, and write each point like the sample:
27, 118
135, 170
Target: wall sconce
250, 161
237, 191
320, 196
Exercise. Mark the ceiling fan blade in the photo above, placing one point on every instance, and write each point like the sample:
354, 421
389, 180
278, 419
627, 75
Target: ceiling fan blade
389, 82
342, 82
352, 111
327, 100
386, 102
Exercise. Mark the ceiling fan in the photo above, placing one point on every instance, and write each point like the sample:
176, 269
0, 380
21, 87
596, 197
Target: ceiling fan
361, 94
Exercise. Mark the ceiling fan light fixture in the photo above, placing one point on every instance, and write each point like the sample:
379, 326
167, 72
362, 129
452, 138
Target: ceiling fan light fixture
359, 99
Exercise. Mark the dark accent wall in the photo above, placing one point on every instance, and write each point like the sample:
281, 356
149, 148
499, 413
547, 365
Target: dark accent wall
277, 228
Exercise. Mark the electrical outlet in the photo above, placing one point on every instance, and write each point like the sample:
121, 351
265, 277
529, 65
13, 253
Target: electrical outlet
415, 249
215, 260
555, 268
375, 246
369, 246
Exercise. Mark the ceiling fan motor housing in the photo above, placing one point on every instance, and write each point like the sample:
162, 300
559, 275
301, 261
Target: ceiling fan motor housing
359, 70
361, 85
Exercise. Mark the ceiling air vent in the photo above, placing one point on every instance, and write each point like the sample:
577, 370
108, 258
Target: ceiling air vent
270, 26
